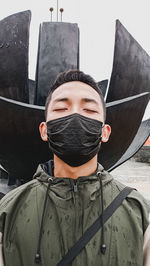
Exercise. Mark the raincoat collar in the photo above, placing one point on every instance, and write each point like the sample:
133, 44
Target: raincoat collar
45, 171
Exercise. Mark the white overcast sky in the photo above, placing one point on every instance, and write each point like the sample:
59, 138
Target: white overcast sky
96, 21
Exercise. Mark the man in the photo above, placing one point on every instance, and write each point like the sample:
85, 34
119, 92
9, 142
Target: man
43, 219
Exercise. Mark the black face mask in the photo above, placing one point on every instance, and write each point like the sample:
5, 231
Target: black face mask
74, 138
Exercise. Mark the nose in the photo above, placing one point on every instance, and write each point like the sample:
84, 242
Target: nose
75, 108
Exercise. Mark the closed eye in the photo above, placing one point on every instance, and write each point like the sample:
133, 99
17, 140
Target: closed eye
60, 109
90, 110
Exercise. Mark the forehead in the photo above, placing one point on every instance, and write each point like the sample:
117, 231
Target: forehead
75, 89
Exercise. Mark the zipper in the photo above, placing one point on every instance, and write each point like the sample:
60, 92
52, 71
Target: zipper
74, 190
75, 186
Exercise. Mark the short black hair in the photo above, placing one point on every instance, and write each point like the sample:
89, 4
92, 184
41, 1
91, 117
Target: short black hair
74, 75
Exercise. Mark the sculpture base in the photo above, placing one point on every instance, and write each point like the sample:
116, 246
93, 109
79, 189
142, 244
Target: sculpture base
143, 155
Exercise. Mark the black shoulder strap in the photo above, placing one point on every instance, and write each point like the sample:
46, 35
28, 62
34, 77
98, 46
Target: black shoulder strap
93, 229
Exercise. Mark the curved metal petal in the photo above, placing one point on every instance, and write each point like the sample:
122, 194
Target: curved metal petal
58, 51
14, 44
21, 148
131, 67
103, 86
124, 117
139, 140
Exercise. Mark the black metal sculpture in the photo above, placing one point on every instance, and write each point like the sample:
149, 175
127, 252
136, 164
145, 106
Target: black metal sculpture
103, 85
137, 143
58, 51
14, 43
131, 65
21, 148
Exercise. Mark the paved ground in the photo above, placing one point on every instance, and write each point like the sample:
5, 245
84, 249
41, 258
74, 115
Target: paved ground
134, 174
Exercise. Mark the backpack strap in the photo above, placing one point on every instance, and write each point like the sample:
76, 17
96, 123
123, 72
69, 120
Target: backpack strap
93, 229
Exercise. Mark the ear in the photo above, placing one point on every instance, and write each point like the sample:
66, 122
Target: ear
43, 131
106, 131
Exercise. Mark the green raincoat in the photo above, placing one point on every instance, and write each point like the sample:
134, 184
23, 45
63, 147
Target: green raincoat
72, 206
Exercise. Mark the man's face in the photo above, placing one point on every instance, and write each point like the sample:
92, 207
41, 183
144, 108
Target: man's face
75, 97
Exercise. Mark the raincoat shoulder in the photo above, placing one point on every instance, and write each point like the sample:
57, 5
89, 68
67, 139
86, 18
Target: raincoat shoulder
13, 199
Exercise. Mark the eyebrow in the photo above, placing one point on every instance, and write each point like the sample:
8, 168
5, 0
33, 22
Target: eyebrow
61, 100
86, 100
89, 100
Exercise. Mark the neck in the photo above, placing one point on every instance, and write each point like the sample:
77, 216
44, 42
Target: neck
61, 169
